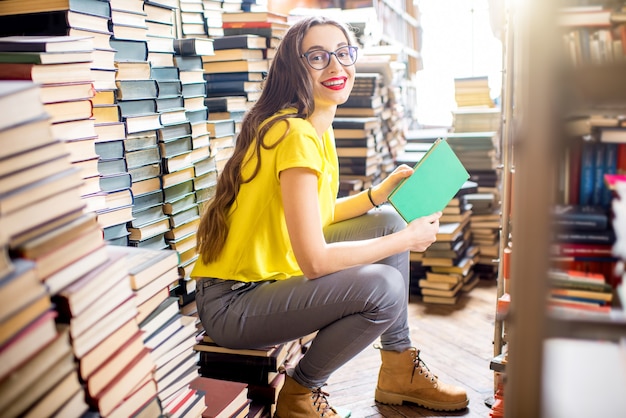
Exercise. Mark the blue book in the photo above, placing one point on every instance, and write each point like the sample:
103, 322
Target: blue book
610, 158
587, 173
227, 87
235, 76
598, 178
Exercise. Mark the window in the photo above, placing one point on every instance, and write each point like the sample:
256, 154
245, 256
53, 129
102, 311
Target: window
458, 41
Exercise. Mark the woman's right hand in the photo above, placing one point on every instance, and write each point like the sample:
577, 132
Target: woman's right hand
422, 232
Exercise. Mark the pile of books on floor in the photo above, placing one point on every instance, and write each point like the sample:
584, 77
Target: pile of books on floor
450, 264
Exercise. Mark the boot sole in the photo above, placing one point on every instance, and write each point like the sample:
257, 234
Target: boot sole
396, 399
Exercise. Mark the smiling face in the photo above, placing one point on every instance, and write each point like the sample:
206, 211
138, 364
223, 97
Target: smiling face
333, 84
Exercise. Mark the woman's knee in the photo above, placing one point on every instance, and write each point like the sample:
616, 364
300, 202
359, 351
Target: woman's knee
386, 286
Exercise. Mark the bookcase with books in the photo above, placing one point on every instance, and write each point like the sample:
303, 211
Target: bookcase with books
561, 287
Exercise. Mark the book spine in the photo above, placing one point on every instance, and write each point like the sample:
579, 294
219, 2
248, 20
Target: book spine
610, 159
598, 178
621, 158
587, 173
574, 173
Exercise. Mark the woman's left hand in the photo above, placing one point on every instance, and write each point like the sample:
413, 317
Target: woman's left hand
381, 192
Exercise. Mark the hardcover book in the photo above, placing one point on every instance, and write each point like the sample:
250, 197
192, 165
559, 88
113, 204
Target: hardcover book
437, 178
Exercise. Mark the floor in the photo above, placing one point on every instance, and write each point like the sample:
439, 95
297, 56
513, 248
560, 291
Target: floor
456, 342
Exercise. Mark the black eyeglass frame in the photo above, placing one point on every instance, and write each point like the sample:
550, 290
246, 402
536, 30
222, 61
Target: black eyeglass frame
351, 48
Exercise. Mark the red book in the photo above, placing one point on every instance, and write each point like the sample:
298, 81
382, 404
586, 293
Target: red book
222, 397
26, 343
255, 24
122, 385
621, 157
569, 249
46, 73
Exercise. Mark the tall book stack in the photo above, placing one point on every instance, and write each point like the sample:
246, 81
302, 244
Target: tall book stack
136, 96
113, 362
486, 221
88, 284
367, 100
236, 83
192, 21
479, 153
90, 19
262, 370
85, 18
454, 254
213, 18
38, 189
182, 202
390, 63
452, 237
472, 92
161, 22
66, 97
168, 335
262, 22
359, 140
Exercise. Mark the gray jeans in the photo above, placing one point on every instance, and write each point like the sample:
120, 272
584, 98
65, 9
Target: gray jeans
350, 309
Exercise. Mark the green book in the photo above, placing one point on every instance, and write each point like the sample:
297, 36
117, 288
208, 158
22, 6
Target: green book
438, 176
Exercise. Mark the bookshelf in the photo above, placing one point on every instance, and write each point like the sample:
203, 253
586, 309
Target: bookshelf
547, 348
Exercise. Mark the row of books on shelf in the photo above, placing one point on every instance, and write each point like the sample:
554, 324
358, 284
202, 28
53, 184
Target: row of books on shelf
588, 162
593, 35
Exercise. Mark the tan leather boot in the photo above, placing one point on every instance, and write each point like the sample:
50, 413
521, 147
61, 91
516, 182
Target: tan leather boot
405, 377
297, 401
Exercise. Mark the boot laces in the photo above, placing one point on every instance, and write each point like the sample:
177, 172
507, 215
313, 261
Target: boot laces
321, 403
422, 368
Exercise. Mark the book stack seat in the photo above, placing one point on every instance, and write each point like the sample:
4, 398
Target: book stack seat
261, 370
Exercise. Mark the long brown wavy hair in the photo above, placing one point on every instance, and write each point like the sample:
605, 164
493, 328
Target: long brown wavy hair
287, 85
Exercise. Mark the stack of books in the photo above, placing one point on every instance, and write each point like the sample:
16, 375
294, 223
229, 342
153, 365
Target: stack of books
268, 24
472, 119
66, 99
237, 83
583, 240
359, 143
579, 291
472, 92
192, 21
262, 370
160, 18
455, 256
168, 335
113, 360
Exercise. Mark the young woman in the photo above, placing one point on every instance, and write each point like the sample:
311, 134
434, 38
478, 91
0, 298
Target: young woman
281, 257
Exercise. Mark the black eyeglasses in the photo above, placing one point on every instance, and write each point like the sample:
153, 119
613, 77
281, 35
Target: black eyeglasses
320, 59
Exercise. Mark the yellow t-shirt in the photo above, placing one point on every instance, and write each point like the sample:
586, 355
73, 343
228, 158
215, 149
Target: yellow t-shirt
258, 246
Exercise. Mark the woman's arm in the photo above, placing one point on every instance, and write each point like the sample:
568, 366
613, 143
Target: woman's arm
318, 258
356, 205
